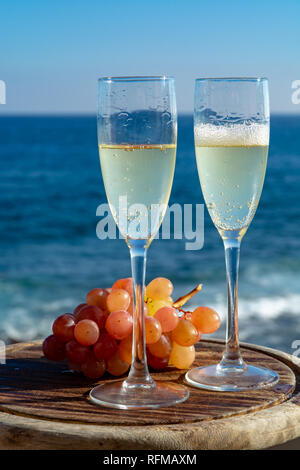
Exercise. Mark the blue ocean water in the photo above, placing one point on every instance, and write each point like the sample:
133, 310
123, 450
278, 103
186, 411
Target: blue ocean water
50, 256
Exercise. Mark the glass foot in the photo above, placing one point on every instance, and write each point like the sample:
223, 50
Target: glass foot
116, 395
214, 378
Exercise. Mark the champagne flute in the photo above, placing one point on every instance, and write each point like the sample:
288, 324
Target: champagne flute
137, 136
231, 129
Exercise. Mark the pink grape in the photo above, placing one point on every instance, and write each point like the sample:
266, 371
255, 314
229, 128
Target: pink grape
118, 299
97, 297
159, 288
86, 332
105, 347
54, 349
119, 324
168, 318
116, 366
152, 330
63, 327
125, 284
76, 352
92, 368
185, 333
77, 309
206, 320
182, 357
125, 349
155, 305
161, 348
93, 313
157, 363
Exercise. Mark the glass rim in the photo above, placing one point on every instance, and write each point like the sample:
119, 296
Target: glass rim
233, 79
136, 78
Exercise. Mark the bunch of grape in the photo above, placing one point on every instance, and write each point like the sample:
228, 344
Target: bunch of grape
97, 336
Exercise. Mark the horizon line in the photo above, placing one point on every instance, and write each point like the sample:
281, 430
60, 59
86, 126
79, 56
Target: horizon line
90, 114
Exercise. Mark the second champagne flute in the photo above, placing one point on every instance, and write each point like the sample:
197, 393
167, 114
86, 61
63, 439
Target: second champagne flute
231, 126
137, 135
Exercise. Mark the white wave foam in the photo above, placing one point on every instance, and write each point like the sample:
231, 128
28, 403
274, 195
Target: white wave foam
262, 307
271, 307
59, 305
20, 324
231, 135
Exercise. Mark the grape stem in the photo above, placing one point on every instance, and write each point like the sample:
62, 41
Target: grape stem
185, 298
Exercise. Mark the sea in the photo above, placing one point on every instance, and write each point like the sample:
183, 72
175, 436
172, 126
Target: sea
50, 256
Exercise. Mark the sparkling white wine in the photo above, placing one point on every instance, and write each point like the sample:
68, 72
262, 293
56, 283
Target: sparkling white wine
138, 174
231, 166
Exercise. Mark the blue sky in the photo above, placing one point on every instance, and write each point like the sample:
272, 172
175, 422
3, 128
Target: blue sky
52, 52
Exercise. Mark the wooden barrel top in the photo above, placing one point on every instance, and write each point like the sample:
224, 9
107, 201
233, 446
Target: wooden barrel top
44, 406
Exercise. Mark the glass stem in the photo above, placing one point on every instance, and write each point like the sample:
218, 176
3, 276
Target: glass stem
138, 376
232, 359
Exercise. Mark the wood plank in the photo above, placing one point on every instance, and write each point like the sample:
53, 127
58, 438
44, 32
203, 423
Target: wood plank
33, 387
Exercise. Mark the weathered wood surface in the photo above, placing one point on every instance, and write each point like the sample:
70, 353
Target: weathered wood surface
44, 407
